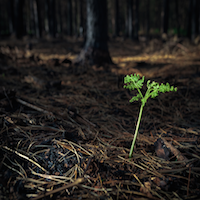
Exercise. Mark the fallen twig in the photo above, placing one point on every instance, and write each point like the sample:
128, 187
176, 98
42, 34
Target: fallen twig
33, 106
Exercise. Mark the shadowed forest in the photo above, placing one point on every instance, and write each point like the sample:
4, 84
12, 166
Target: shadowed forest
66, 120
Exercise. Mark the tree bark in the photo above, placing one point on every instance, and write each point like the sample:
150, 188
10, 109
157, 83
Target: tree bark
76, 18
96, 49
60, 25
177, 17
38, 19
11, 15
81, 26
116, 18
193, 20
129, 22
198, 25
34, 18
19, 21
136, 20
147, 19
69, 17
31, 28
51, 17
165, 16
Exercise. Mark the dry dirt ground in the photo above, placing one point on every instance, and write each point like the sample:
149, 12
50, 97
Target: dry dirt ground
66, 130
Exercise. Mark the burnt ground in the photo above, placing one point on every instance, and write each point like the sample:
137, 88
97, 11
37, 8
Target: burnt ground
66, 131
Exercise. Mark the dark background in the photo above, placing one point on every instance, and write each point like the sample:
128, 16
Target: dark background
130, 18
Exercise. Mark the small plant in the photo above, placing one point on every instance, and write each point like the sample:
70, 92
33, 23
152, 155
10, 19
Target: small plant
133, 82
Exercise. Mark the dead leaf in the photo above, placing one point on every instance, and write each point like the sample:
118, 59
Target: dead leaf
146, 189
161, 150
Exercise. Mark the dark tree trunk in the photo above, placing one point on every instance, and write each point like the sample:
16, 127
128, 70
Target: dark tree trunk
177, 17
60, 17
19, 22
38, 19
96, 49
36, 22
116, 17
147, 18
76, 18
136, 20
198, 25
197, 18
69, 17
34, 18
193, 20
189, 19
31, 28
165, 16
129, 20
11, 15
52, 18
81, 28
46, 20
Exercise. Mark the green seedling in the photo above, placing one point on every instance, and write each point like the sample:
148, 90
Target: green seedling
133, 82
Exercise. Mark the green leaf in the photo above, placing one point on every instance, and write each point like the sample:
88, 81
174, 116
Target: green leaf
136, 98
154, 94
133, 82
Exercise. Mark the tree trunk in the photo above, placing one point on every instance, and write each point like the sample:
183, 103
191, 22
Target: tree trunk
197, 18
189, 20
69, 17
76, 32
81, 27
198, 25
38, 19
11, 15
177, 17
60, 25
136, 20
193, 20
116, 18
165, 16
34, 18
31, 28
46, 20
147, 19
129, 20
96, 48
19, 22
52, 17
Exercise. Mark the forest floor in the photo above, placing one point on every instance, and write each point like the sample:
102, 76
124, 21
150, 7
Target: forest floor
66, 131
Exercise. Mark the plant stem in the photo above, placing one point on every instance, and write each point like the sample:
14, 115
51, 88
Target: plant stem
136, 130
